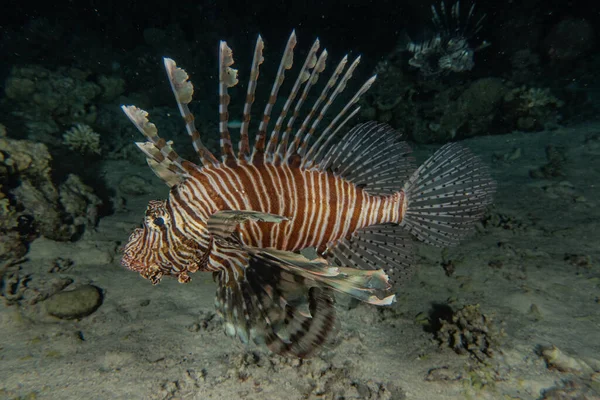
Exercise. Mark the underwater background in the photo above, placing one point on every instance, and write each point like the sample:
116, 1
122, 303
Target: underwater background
511, 313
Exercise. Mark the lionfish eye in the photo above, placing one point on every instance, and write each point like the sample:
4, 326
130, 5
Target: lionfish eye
159, 221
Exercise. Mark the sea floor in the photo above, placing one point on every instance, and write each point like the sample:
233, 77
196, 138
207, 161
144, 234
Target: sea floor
533, 268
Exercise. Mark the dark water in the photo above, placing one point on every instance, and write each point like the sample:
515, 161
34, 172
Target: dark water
512, 312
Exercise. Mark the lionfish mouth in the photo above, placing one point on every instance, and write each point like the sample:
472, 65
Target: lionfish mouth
129, 263
153, 272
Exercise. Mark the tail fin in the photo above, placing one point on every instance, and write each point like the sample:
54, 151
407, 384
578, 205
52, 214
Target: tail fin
447, 195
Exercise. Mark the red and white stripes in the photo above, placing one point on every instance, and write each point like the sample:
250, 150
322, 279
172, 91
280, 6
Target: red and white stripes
320, 207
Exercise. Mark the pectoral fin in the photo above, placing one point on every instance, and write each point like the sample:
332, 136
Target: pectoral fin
265, 304
363, 285
223, 223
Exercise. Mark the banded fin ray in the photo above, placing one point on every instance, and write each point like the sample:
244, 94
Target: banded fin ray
163, 148
183, 91
163, 169
364, 285
282, 152
291, 146
227, 78
446, 195
286, 63
301, 140
257, 60
301, 316
371, 156
314, 154
303, 76
379, 246
264, 304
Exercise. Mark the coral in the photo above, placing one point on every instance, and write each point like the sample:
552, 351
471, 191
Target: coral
82, 138
12, 283
438, 111
435, 112
536, 98
20, 163
388, 91
470, 331
474, 111
47, 99
79, 201
313, 379
532, 108
571, 390
32, 205
112, 87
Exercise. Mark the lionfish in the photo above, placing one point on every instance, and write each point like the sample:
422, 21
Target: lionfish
449, 49
247, 217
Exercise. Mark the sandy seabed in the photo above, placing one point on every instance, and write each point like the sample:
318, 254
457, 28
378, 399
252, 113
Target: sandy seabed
532, 267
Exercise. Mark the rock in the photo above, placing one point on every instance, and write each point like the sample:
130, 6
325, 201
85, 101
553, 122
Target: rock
556, 359
60, 214
76, 303
134, 185
470, 331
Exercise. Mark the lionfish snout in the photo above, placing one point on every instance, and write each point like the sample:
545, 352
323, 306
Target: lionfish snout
132, 251
138, 256
132, 241
153, 272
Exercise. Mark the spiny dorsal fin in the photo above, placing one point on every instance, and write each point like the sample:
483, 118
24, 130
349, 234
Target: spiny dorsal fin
338, 89
278, 150
293, 147
323, 97
286, 63
314, 153
227, 78
162, 167
139, 118
183, 91
303, 76
244, 145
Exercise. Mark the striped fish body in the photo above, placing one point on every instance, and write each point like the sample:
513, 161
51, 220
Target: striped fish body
246, 217
320, 208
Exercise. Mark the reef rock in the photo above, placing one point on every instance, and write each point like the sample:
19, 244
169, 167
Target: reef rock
76, 303
31, 204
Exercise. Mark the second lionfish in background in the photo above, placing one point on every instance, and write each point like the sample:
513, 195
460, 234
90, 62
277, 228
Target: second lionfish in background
246, 216
448, 50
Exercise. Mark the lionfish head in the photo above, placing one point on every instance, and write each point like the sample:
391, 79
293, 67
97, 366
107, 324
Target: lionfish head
148, 249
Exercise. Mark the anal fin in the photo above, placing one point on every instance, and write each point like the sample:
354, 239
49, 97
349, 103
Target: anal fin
387, 247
